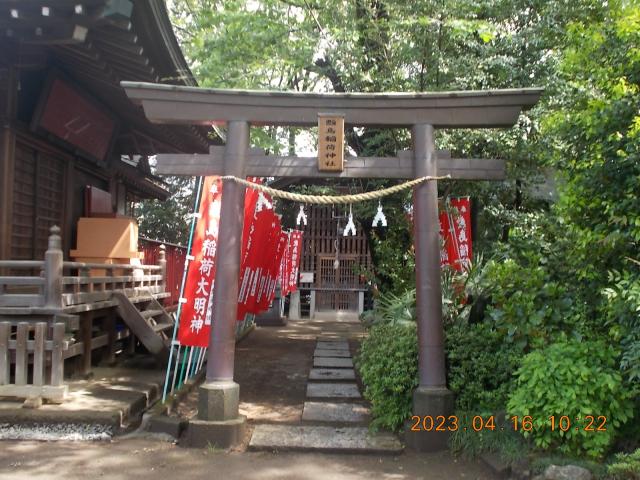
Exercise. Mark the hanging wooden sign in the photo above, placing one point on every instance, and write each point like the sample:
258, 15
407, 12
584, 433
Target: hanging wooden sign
330, 142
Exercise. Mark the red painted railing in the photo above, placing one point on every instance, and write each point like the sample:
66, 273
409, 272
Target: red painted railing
176, 255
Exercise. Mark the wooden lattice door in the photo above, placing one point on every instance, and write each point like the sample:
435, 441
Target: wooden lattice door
337, 290
38, 201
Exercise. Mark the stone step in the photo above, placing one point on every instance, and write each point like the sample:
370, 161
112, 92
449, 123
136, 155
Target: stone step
323, 439
336, 342
332, 362
335, 412
331, 353
337, 345
332, 374
333, 390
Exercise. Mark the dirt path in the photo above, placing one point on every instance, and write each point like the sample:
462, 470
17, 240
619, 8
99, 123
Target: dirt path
272, 365
148, 459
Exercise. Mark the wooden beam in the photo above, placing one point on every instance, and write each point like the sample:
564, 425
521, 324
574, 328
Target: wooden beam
48, 35
193, 105
261, 165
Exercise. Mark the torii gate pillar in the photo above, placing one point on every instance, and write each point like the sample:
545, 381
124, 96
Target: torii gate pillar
431, 398
219, 423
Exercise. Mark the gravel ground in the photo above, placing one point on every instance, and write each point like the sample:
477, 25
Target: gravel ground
60, 431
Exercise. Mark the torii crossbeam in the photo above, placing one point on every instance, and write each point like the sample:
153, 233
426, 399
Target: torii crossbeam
238, 109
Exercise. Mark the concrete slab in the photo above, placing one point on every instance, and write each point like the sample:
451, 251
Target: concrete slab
333, 390
324, 439
332, 374
335, 412
114, 397
332, 362
332, 353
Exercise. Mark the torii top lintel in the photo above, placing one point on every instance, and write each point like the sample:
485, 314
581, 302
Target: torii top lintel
193, 105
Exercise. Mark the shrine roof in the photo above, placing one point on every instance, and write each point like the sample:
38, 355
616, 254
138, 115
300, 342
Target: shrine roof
97, 44
451, 109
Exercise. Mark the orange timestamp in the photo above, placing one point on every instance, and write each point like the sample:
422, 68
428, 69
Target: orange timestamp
562, 423
478, 423
451, 423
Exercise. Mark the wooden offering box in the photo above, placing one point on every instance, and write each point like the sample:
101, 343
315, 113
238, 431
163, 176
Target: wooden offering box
107, 240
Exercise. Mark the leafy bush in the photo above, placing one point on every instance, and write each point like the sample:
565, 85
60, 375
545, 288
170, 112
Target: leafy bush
508, 445
388, 366
527, 305
625, 466
574, 379
622, 313
480, 366
392, 308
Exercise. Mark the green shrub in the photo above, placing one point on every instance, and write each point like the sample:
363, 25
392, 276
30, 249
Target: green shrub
388, 366
508, 445
625, 466
480, 367
574, 379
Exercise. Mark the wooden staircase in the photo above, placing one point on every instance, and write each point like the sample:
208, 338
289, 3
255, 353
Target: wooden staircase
148, 321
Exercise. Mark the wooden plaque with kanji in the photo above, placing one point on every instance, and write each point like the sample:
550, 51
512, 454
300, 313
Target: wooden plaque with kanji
330, 143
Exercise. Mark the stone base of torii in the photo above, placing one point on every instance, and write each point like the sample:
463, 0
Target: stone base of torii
219, 422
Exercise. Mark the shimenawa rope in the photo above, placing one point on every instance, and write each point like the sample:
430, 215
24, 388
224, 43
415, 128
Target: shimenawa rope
333, 199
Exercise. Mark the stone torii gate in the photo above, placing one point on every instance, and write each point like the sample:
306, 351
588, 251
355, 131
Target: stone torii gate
218, 417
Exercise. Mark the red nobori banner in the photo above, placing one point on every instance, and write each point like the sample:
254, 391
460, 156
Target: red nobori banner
195, 315
256, 260
274, 271
294, 254
455, 234
283, 276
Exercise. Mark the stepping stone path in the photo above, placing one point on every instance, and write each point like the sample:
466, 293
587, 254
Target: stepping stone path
335, 412
332, 374
332, 353
333, 390
332, 362
334, 418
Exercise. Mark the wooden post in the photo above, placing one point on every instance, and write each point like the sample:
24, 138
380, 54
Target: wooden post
38, 354
57, 360
5, 358
21, 353
162, 261
83, 361
53, 259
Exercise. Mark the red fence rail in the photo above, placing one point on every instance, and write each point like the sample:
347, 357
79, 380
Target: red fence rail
176, 256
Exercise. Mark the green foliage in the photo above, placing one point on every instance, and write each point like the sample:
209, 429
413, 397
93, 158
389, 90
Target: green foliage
509, 446
388, 365
626, 466
576, 379
622, 314
169, 221
480, 366
391, 308
527, 306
